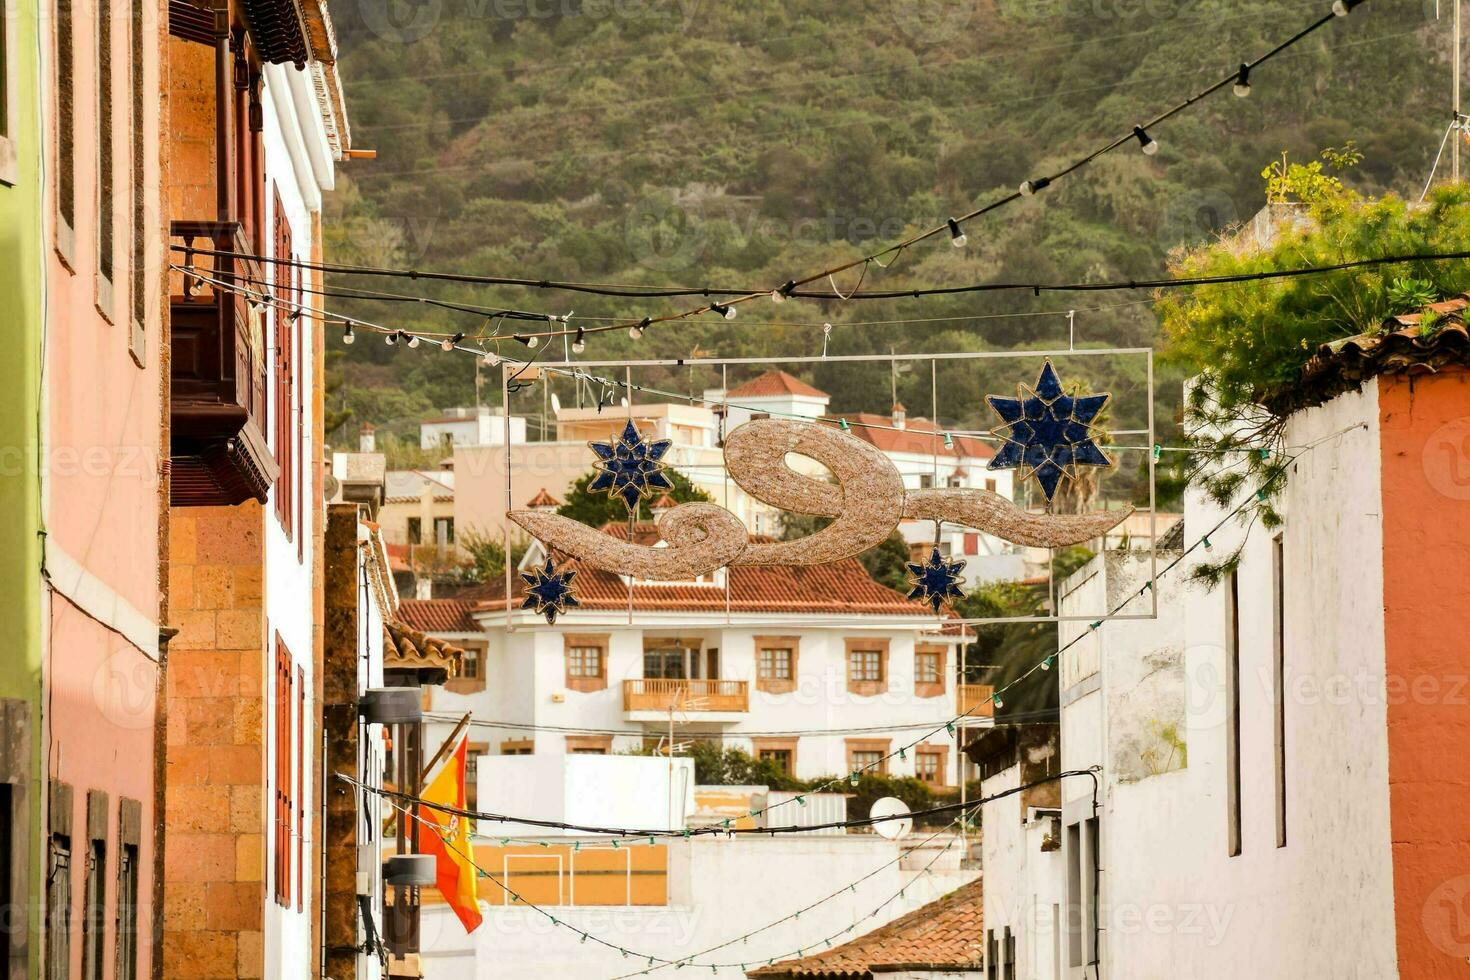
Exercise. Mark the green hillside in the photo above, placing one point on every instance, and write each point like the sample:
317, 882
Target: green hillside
732, 144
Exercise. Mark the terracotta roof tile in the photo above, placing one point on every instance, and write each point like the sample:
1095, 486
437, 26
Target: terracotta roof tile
439, 615
775, 383
919, 435
405, 648
543, 499
840, 587
944, 935
1396, 348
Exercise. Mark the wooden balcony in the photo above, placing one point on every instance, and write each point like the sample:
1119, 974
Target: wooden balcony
973, 701
686, 696
218, 374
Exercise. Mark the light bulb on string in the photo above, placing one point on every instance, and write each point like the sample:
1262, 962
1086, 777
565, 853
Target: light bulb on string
347, 335
726, 311
1030, 187
1242, 86
1149, 145
1341, 8
636, 330
957, 236
779, 295
580, 343
413, 341
391, 339
449, 343
530, 342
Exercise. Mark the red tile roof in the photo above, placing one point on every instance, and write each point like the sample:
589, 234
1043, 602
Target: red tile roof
775, 383
543, 499
837, 588
944, 935
439, 615
1395, 348
919, 436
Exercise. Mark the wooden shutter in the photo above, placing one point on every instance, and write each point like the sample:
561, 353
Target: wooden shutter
282, 849
300, 787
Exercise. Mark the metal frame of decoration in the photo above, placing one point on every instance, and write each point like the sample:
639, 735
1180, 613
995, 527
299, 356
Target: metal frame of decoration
517, 620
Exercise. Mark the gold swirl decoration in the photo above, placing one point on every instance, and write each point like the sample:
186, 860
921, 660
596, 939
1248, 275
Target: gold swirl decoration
866, 502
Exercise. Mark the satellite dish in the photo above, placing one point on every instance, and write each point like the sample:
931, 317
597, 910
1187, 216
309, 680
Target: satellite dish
891, 806
555, 404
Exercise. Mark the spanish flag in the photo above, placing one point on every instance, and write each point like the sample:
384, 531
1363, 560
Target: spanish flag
447, 837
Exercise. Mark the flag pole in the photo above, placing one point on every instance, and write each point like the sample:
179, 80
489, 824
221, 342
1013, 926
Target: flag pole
445, 748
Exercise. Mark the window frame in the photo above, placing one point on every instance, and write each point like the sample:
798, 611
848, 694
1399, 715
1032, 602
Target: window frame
941, 766
862, 685
65, 196
924, 688
104, 204
784, 746
137, 315
771, 682
129, 839
863, 746
94, 889
581, 682
281, 776
589, 745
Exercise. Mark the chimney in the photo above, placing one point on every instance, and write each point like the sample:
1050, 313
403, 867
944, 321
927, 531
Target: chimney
423, 587
366, 441
662, 506
900, 415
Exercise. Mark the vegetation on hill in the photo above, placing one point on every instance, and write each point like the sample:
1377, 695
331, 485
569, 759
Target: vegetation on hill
673, 141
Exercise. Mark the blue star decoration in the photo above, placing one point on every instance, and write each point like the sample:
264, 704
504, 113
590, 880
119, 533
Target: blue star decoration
630, 468
936, 580
1047, 432
549, 592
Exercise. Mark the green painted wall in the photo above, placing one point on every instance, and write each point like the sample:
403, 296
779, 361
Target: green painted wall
20, 383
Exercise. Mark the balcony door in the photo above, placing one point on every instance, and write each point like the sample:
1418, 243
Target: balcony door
680, 661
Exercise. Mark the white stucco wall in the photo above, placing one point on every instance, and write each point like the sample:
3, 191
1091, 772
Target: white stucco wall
526, 683
288, 578
1023, 883
719, 889
1175, 903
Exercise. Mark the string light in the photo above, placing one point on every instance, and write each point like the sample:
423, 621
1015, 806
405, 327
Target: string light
1148, 143
449, 343
636, 330
1242, 87
580, 343
1341, 8
529, 341
1030, 187
391, 339
347, 335
723, 309
786, 289
957, 237
413, 340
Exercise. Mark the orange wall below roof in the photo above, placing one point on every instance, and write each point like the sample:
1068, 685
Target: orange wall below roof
1425, 439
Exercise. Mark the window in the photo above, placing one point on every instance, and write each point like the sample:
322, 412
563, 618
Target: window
472, 754
105, 184
866, 665
868, 756
469, 664
518, 746
990, 485
139, 188
93, 909
1074, 895
58, 907
776, 665
1084, 890
779, 752
1232, 714
586, 662
281, 854
300, 787
285, 370
66, 189
663, 663
444, 531
992, 956
129, 836
929, 671
415, 531
1008, 955
589, 744
15, 830
930, 763
1278, 643
926, 481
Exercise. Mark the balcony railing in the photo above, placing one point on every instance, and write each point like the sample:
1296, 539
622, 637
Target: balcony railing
218, 370
973, 701
663, 693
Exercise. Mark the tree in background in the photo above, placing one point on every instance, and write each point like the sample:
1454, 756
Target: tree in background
886, 564
487, 556
597, 509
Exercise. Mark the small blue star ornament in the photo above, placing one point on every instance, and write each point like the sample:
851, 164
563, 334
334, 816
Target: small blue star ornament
1047, 432
631, 468
936, 580
549, 592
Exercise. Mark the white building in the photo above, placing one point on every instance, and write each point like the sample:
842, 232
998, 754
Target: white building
783, 652
481, 425
301, 142
1282, 757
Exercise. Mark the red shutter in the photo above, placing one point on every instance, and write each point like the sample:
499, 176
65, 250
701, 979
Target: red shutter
284, 295
300, 787
283, 704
